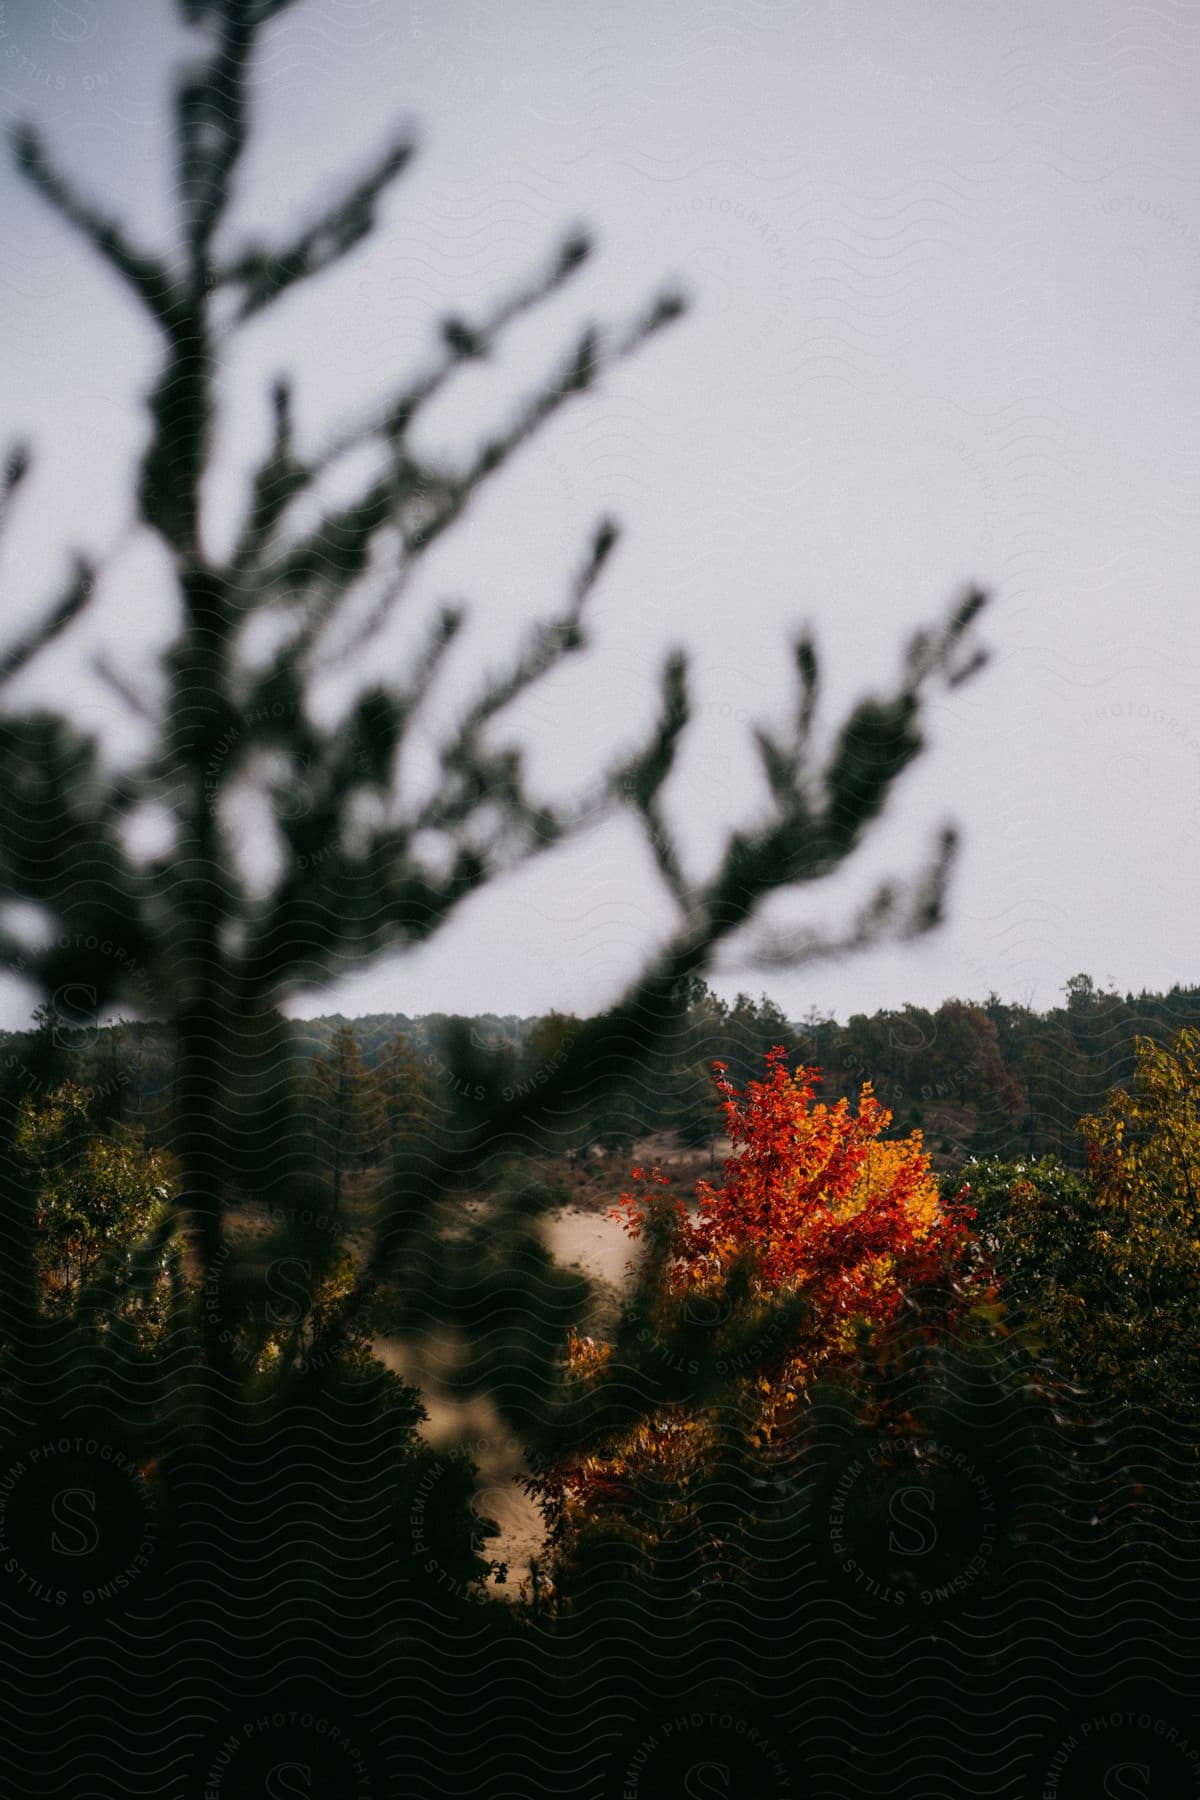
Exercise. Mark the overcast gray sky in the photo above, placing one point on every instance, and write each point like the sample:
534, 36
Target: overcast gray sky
945, 260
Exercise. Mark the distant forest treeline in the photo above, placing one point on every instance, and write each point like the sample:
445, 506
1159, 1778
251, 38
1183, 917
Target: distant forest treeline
989, 1078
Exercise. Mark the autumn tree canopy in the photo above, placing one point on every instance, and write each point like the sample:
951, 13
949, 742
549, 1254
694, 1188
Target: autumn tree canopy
813, 1198
820, 1228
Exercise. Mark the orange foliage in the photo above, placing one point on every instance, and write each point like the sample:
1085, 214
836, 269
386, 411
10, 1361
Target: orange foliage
815, 1205
813, 1198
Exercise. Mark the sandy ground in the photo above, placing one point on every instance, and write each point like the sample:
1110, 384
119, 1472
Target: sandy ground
578, 1237
581, 1235
591, 1241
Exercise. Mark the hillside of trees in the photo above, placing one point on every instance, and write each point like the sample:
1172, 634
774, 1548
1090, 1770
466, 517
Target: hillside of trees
943, 1409
988, 1078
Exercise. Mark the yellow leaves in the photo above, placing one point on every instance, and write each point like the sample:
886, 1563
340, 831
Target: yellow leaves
1155, 1178
902, 1163
585, 1355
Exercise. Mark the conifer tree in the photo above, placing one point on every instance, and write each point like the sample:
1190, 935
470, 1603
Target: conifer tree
403, 1094
360, 880
284, 1449
347, 1116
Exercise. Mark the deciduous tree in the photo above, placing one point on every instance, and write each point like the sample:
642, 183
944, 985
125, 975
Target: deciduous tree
1103, 1267
820, 1229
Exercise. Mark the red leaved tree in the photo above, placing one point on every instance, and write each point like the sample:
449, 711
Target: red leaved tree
813, 1199
820, 1228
